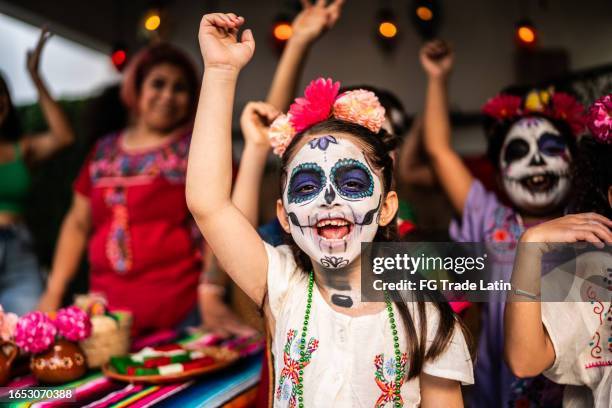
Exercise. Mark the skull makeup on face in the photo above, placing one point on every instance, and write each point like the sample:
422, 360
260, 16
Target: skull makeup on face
535, 165
332, 198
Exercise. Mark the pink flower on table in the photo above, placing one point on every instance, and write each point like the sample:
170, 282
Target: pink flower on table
73, 324
361, 107
35, 332
8, 322
316, 105
600, 119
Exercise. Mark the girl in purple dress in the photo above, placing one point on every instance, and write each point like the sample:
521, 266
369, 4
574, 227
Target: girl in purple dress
531, 141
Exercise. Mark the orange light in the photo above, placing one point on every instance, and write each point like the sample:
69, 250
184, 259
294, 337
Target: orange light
526, 34
152, 22
387, 29
282, 31
424, 13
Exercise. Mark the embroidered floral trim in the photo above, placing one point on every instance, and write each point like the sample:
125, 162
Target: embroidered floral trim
118, 249
169, 161
385, 375
605, 363
289, 377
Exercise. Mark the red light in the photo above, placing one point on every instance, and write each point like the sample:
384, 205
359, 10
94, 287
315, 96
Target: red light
118, 58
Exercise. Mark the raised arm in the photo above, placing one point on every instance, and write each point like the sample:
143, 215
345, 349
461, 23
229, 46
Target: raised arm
437, 60
70, 248
308, 26
528, 348
254, 122
232, 238
40, 147
410, 167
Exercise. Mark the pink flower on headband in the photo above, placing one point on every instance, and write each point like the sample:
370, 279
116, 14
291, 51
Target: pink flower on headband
316, 105
281, 133
600, 119
565, 107
361, 107
503, 107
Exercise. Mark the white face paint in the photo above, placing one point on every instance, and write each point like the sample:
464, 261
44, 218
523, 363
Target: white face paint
535, 165
333, 199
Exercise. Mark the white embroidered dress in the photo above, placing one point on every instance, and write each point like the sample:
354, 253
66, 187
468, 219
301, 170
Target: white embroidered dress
350, 360
581, 332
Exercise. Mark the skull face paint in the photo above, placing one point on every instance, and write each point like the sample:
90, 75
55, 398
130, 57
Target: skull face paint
535, 165
332, 197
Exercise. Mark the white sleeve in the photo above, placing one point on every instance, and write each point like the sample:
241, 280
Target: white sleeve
283, 273
455, 362
568, 335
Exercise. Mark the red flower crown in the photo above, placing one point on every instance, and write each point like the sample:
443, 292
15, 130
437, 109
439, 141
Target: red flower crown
554, 105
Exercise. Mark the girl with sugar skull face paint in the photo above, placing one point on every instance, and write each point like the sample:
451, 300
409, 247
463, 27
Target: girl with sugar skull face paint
531, 139
336, 193
332, 198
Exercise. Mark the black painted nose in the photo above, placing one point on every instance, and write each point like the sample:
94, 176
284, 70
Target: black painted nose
537, 160
330, 195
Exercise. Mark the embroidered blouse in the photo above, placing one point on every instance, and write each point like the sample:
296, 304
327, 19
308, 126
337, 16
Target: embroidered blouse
144, 251
350, 360
583, 349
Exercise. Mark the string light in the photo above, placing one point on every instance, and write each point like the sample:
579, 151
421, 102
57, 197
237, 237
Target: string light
526, 34
282, 31
426, 17
118, 57
424, 13
387, 29
152, 21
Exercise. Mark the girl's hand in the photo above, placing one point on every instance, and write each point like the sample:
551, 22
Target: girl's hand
255, 122
436, 58
589, 227
33, 56
220, 319
315, 19
219, 42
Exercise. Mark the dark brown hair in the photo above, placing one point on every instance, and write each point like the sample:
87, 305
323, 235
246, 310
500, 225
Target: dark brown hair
592, 178
377, 150
10, 128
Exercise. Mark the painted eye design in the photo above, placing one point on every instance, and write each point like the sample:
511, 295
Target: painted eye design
352, 179
516, 149
551, 144
306, 182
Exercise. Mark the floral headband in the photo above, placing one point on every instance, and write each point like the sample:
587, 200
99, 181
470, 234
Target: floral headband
599, 119
320, 102
555, 105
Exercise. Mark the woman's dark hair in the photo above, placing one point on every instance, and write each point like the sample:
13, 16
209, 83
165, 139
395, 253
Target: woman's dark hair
400, 122
592, 178
377, 150
148, 58
10, 127
496, 131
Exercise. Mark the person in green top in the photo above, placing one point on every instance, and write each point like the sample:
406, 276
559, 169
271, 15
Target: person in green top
20, 279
